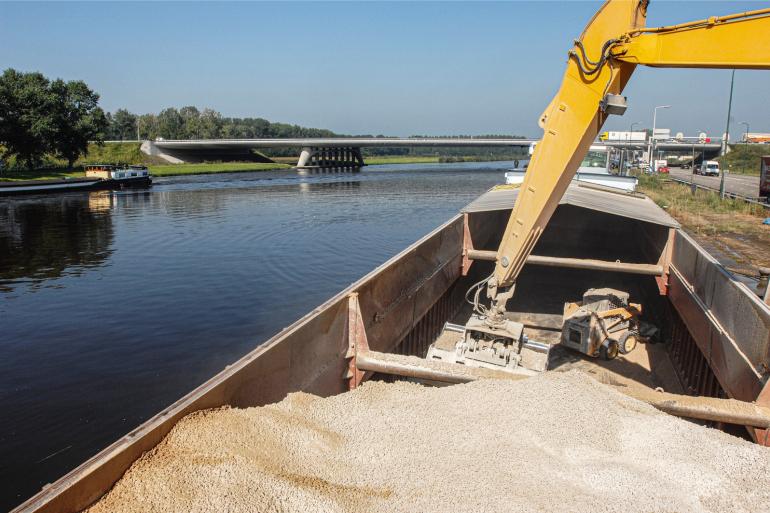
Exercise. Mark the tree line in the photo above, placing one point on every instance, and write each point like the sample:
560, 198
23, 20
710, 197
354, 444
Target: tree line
192, 123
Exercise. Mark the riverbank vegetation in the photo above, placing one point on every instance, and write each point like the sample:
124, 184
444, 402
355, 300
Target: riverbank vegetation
129, 153
732, 226
41, 117
49, 166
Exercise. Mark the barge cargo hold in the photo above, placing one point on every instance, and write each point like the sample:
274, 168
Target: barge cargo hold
714, 331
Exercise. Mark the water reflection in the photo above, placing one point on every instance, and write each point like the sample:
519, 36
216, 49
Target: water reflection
142, 295
43, 238
327, 171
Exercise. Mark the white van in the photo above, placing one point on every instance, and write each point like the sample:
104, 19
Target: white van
709, 168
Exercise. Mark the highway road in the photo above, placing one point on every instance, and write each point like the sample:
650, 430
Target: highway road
744, 185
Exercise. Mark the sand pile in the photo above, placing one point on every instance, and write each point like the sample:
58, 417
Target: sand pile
556, 442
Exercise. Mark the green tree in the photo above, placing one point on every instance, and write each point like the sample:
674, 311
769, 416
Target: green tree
170, 124
77, 119
26, 120
122, 125
210, 124
111, 134
147, 125
190, 123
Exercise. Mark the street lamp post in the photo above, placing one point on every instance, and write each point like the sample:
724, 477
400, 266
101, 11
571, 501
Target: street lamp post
693, 187
727, 137
746, 137
693, 154
627, 151
650, 150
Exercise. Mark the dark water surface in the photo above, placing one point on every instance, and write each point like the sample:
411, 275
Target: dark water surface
115, 304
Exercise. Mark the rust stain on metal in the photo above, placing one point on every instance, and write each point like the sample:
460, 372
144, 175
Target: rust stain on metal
665, 262
467, 246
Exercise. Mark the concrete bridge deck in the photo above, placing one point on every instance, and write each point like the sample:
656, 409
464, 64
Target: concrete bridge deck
346, 151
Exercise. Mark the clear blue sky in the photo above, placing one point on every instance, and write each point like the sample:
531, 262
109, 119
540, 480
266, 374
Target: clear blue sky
391, 68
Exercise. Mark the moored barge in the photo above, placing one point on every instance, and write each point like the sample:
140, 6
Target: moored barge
120, 176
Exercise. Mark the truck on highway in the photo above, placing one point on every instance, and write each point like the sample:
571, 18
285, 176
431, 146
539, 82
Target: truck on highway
623, 136
709, 168
756, 138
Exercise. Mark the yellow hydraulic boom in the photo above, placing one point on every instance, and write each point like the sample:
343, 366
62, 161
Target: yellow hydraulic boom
599, 66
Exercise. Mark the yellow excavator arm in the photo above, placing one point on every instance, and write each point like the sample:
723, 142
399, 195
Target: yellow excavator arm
599, 65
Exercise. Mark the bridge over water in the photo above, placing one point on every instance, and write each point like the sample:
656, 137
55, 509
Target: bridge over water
337, 152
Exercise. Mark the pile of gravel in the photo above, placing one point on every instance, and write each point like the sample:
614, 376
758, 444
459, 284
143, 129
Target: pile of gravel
555, 442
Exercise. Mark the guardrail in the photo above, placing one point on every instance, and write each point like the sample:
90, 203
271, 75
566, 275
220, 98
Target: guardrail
730, 195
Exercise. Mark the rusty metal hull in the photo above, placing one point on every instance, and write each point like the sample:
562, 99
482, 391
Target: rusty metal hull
403, 305
724, 348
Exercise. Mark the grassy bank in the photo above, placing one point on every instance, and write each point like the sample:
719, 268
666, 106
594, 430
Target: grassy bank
733, 226
743, 159
125, 152
13, 175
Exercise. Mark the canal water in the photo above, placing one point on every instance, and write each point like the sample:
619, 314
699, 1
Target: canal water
115, 304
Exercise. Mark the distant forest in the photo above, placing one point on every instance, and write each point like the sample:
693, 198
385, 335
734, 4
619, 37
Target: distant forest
193, 123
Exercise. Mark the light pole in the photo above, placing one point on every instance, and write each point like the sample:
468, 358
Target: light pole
650, 154
727, 136
693, 187
693, 156
746, 137
628, 151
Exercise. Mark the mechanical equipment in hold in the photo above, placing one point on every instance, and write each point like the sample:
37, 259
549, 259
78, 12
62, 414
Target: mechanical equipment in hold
503, 347
602, 325
599, 66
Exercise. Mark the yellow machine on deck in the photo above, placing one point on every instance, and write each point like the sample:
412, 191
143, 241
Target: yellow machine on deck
599, 66
602, 325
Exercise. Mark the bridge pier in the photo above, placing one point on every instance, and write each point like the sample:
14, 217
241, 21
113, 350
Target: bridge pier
330, 157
